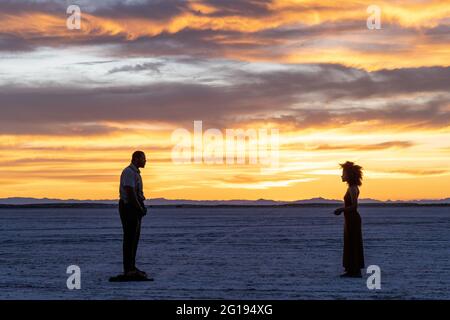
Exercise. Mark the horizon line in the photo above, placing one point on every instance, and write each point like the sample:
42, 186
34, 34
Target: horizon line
226, 200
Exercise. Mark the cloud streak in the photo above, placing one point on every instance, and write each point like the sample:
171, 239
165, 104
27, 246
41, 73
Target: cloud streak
368, 147
283, 31
149, 66
318, 96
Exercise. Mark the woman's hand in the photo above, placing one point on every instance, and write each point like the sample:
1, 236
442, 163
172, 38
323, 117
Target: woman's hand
338, 211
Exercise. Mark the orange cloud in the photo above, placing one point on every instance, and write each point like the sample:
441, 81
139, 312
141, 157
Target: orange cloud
404, 23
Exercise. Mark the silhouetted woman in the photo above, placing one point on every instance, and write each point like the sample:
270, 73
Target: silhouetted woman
353, 259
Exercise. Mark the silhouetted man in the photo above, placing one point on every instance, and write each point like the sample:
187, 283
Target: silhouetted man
132, 209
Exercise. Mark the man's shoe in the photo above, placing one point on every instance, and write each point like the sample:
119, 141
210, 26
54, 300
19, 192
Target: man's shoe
130, 276
356, 274
142, 273
134, 275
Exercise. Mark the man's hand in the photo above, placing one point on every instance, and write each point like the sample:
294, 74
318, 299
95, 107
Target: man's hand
338, 211
144, 211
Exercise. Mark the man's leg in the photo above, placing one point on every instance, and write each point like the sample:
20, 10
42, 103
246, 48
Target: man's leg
137, 235
129, 230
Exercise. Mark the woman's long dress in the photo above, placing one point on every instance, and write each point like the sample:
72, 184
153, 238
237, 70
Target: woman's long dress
353, 259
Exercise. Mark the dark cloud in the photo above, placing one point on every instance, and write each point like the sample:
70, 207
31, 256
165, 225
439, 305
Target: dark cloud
150, 9
27, 6
14, 43
439, 34
148, 66
93, 63
188, 41
253, 96
168, 102
160, 10
253, 8
401, 115
340, 81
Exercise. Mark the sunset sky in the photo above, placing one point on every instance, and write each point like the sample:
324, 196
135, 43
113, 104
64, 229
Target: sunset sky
74, 104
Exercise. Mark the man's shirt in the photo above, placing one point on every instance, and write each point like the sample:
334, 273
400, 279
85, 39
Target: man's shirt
131, 177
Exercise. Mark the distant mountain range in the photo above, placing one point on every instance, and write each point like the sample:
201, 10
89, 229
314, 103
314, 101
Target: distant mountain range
260, 202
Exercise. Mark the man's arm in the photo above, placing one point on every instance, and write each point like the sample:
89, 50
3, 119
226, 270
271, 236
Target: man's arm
131, 196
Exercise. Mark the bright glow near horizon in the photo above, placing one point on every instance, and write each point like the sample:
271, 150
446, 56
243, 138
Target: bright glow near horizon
75, 104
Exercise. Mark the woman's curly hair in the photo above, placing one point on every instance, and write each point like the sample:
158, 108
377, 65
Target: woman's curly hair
354, 173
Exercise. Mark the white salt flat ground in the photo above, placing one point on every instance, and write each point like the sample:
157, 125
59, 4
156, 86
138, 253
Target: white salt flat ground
216, 253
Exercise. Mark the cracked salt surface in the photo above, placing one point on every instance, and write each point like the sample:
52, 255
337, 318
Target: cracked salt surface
224, 253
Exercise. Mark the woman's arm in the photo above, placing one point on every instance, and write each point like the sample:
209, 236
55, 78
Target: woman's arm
354, 198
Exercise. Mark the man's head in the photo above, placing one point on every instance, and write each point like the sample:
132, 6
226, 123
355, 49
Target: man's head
138, 159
